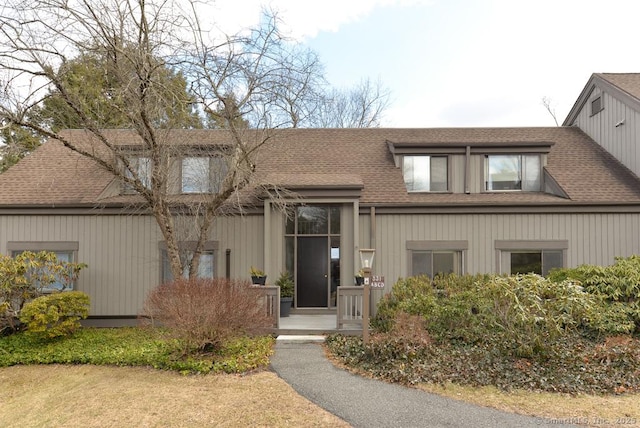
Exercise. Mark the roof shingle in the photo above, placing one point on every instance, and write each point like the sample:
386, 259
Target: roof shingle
357, 158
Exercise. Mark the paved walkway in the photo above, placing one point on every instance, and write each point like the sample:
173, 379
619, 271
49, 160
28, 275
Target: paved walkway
371, 403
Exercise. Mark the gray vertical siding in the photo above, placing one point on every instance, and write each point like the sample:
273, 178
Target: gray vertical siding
593, 238
123, 255
244, 236
620, 141
121, 252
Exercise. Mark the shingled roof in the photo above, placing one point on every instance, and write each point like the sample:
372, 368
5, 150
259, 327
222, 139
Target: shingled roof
54, 176
623, 86
628, 82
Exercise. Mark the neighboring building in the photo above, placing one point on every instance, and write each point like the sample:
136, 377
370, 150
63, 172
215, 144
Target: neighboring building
464, 200
608, 110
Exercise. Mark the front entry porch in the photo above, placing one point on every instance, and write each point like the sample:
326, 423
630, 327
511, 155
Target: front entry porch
346, 318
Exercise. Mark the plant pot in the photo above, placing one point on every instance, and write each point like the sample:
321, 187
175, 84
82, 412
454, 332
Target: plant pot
285, 306
259, 280
359, 280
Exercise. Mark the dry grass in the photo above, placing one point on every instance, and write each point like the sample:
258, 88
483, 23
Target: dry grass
96, 396
601, 411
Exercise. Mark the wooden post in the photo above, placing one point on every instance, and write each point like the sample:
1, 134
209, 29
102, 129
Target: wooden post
365, 305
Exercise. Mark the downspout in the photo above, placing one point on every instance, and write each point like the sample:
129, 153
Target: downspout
467, 170
372, 228
227, 264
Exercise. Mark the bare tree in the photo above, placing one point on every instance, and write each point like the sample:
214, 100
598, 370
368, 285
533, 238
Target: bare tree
240, 80
546, 102
359, 107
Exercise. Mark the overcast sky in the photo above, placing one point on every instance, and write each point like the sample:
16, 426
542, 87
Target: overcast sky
452, 63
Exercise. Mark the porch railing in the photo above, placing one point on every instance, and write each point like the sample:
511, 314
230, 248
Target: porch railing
270, 298
349, 306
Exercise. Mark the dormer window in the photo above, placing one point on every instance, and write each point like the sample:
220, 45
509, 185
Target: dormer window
203, 174
196, 175
425, 173
513, 172
140, 167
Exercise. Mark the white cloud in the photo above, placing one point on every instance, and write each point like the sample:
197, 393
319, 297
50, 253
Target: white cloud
301, 19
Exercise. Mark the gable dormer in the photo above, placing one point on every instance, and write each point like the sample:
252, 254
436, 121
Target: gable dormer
608, 111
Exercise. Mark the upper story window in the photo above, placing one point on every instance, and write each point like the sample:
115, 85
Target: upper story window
196, 175
425, 173
202, 174
596, 106
513, 172
142, 168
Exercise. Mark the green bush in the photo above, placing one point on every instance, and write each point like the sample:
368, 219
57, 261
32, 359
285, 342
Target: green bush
521, 331
524, 313
134, 347
24, 277
618, 284
56, 314
286, 284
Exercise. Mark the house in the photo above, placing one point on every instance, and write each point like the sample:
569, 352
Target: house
608, 110
464, 200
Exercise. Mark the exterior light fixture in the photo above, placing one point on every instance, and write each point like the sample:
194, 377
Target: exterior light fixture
366, 258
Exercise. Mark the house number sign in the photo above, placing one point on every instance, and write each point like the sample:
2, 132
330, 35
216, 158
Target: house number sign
376, 281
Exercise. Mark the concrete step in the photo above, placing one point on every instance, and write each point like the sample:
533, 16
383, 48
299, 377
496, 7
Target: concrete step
300, 338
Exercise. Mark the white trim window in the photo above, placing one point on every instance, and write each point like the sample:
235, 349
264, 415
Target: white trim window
425, 173
513, 172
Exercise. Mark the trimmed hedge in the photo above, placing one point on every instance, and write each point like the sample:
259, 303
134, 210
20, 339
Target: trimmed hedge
56, 314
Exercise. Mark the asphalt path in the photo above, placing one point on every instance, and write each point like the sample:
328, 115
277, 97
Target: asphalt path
370, 403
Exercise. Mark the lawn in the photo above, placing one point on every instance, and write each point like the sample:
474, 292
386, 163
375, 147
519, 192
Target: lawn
76, 382
106, 396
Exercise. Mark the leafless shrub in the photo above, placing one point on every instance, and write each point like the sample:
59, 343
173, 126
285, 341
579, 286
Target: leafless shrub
204, 313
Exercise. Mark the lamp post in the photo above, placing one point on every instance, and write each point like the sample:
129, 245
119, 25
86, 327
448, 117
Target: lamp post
366, 263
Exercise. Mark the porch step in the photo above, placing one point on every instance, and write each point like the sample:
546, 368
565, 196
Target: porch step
316, 332
300, 338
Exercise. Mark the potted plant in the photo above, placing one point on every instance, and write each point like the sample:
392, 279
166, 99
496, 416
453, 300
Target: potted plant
258, 277
360, 277
287, 286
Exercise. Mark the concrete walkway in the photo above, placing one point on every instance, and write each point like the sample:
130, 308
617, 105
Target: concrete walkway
371, 403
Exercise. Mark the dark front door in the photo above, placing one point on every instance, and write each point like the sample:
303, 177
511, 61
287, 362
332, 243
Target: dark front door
312, 271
